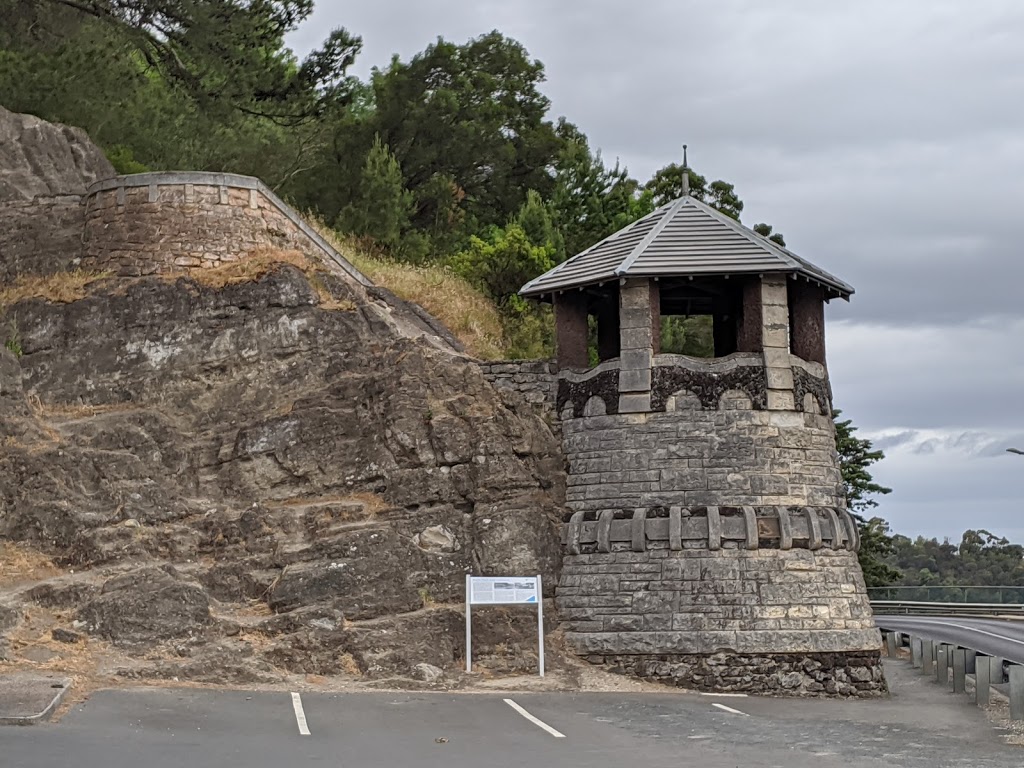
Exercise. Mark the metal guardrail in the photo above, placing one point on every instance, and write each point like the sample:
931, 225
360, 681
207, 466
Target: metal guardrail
923, 608
939, 659
950, 593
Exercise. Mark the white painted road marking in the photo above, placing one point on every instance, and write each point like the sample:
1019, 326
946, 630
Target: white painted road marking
300, 715
534, 720
940, 623
725, 695
730, 709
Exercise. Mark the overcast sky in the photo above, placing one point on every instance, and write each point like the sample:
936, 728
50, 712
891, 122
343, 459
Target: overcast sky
884, 138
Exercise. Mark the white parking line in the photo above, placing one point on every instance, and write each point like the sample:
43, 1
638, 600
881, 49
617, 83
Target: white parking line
300, 715
534, 720
730, 709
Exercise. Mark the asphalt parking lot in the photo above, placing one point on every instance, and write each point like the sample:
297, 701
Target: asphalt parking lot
161, 728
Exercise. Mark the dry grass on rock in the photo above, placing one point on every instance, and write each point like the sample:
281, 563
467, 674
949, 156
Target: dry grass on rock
471, 317
260, 263
59, 288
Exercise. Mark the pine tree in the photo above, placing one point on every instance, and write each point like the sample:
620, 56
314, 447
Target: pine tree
381, 208
876, 543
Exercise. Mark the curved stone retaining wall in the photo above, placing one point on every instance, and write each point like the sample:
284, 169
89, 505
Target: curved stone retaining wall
162, 222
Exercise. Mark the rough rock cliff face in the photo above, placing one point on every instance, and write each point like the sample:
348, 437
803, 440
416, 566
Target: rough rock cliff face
45, 169
246, 481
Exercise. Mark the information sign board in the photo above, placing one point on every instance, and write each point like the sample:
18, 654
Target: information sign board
504, 590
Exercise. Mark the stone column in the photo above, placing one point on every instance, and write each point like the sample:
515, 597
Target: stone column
807, 320
748, 335
636, 340
571, 329
775, 343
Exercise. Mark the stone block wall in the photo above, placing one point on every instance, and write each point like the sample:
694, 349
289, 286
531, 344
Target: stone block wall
40, 236
162, 222
535, 380
712, 442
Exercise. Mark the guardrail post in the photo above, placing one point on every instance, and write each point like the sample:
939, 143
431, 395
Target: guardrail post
927, 657
915, 651
972, 662
890, 644
949, 663
997, 670
941, 666
1016, 692
959, 671
982, 678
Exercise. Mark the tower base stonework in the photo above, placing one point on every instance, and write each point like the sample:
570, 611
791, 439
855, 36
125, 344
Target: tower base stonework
707, 546
758, 621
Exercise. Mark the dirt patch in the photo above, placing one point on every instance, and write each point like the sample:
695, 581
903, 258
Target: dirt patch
22, 564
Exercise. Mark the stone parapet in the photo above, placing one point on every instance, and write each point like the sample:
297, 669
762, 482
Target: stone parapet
689, 455
163, 222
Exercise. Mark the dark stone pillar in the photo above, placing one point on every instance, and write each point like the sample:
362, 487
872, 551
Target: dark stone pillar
807, 321
725, 325
750, 321
608, 329
655, 317
571, 329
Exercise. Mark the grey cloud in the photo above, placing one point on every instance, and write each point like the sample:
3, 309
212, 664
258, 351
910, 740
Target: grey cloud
883, 139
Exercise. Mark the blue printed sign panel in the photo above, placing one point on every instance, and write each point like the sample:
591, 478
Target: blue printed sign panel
503, 590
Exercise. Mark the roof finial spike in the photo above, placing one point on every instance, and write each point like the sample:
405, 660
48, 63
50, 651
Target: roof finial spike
686, 175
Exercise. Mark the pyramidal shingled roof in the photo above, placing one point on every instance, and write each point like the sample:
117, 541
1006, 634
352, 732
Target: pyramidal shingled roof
682, 238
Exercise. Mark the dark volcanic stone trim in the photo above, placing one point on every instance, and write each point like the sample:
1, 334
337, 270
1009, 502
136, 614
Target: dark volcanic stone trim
604, 385
708, 386
804, 382
857, 673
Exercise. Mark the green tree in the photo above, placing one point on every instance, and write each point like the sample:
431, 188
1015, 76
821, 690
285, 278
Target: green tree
693, 336
473, 117
536, 220
502, 262
667, 185
590, 200
380, 211
224, 53
765, 230
219, 91
856, 455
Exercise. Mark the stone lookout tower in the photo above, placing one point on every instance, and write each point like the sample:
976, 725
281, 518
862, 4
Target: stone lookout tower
707, 542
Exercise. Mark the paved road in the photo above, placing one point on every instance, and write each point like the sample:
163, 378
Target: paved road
989, 636
160, 728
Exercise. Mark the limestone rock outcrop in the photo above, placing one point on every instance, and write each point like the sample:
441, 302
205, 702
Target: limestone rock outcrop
244, 473
42, 159
45, 169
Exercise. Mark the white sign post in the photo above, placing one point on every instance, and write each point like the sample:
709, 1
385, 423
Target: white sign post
504, 590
